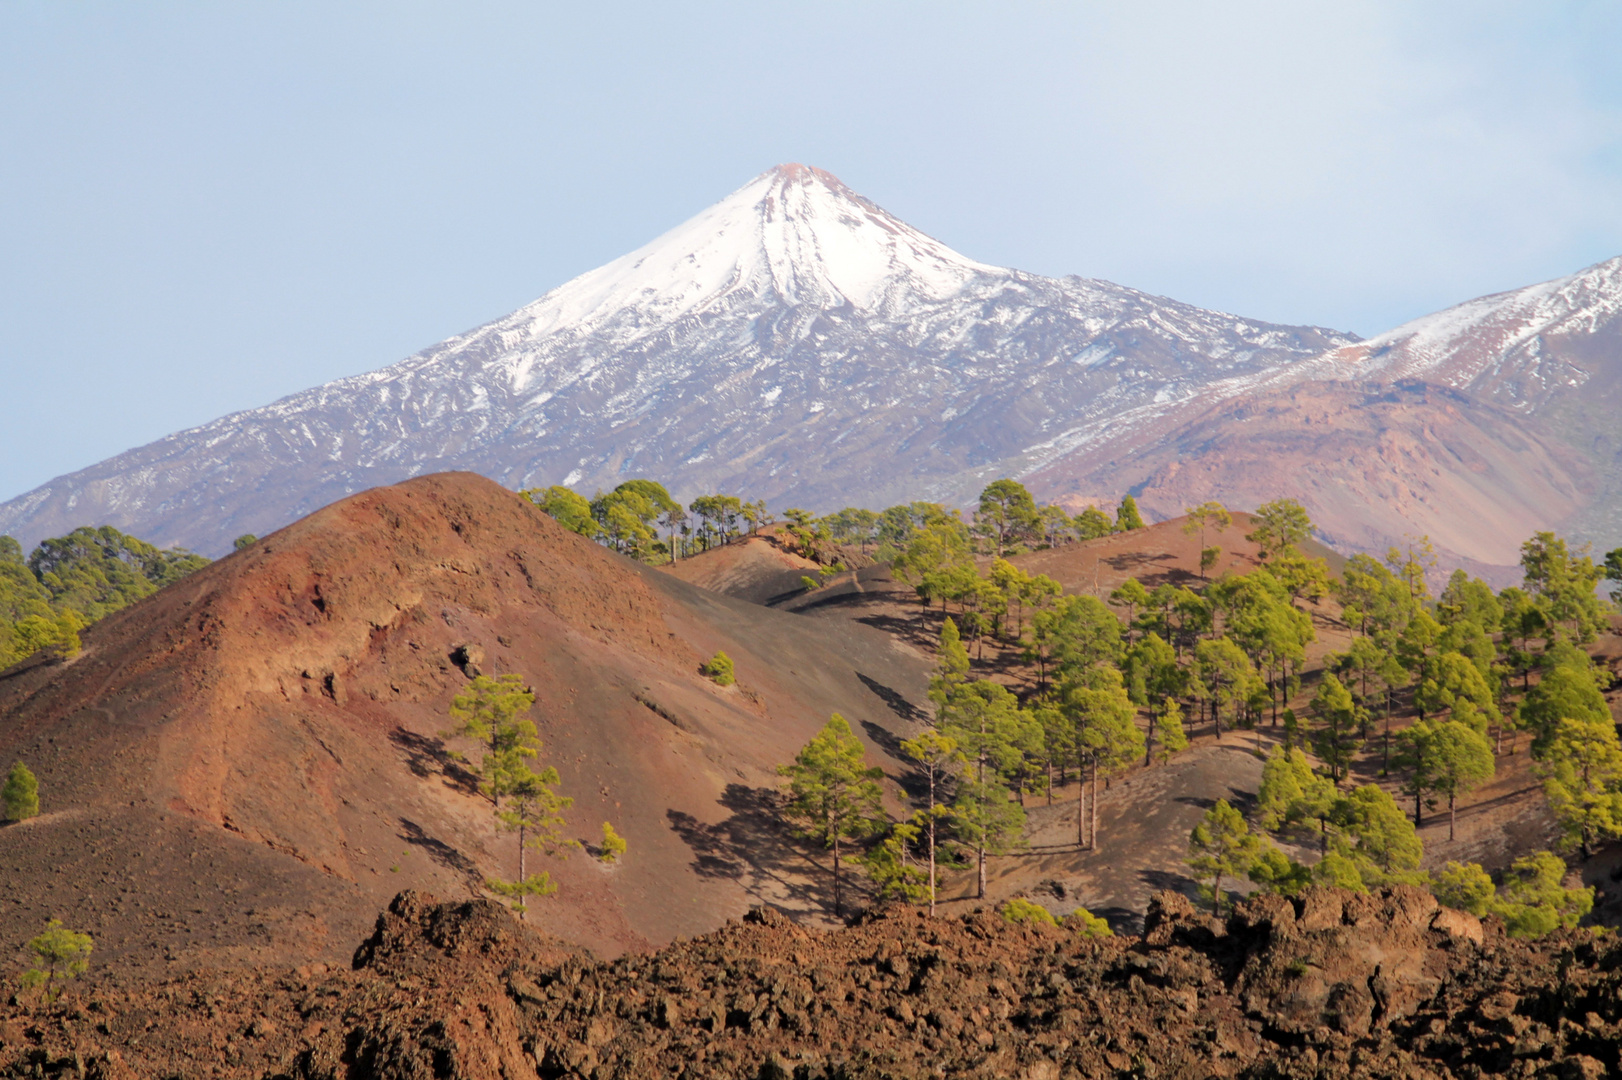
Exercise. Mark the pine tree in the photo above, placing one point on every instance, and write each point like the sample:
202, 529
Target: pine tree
534, 811
59, 954
1106, 735
1207, 515
1569, 690
1223, 674
1445, 757
1534, 900
1291, 793
1336, 738
1132, 596
1093, 523
833, 795
952, 669
1465, 886
1280, 524
890, 866
491, 711
1007, 513
1376, 844
1581, 768
1127, 517
991, 731
938, 760
21, 794
614, 845
986, 821
1222, 846
1169, 730
718, 669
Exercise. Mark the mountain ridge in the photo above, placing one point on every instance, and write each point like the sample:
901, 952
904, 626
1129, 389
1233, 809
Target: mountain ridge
1484, 422
793, 340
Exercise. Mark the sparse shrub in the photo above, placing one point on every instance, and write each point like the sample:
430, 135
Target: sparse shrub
1020, 910
810, 583
614, 845
60, 954
21, 794
1084, 923
718, 669
245, 540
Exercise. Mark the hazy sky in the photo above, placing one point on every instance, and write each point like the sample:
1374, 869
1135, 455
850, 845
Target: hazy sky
204, 207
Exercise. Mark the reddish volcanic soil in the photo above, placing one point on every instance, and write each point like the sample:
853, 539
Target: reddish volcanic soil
1372, 464
244, 767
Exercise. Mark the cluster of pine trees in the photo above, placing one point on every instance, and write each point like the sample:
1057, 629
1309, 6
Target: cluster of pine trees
68, 582
630, 518
1114, 687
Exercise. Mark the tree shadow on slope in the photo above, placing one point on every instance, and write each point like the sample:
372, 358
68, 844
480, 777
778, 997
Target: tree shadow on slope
910, 780
897, 703
440, 852
427, 757
755, 848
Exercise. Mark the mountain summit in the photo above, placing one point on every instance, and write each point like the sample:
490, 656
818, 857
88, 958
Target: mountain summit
793, 342
793, 233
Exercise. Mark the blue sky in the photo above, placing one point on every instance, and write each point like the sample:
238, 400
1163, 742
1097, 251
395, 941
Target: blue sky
204, 207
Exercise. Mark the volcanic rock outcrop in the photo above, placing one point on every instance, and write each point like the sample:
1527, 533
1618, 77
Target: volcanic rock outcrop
1332, 984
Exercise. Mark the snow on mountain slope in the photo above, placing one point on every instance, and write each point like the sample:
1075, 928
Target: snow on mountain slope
793, 342
1476, 425
1514, 347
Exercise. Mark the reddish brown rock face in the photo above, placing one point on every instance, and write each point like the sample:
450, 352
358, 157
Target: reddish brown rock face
1333, 984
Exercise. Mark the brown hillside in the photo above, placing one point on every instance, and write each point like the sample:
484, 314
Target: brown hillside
1372, 464
754, 568
247, 765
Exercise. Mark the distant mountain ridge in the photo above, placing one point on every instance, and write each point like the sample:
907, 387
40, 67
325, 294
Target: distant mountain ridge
1477, 425
794, 341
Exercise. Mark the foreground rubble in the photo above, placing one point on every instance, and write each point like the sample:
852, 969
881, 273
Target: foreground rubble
1333, 984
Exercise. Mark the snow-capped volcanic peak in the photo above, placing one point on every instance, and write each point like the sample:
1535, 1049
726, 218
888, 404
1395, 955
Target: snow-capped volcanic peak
793, 341
793, 231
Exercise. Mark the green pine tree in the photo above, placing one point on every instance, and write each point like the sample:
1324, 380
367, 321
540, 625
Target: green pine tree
1336, 739
938, 761
1222, 846
1446, 758
1581, 768
21, 794
833, 795
718, 669
534, 811
1169, 731
59, 954
491, 711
